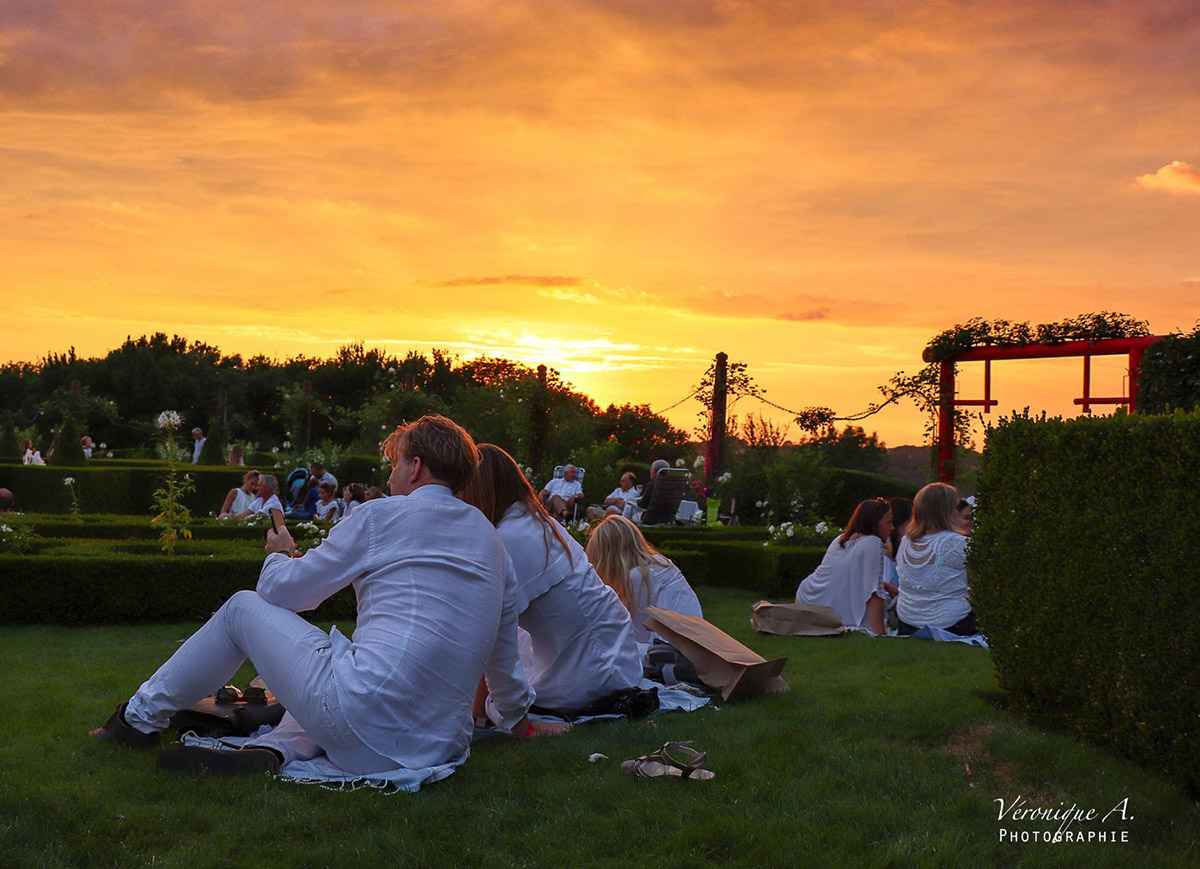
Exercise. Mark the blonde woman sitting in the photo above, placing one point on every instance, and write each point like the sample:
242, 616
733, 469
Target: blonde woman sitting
932, 564
639, 574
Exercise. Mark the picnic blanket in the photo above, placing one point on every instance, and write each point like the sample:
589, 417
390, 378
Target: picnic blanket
320, 771
941, 635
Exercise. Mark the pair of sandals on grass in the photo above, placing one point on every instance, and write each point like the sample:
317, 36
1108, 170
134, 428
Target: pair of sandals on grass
676, 759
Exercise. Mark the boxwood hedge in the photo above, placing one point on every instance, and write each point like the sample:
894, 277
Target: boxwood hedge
1085, 579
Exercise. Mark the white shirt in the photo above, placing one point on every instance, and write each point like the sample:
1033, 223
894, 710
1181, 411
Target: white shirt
846, 579
582, 646
324, 478
630, 494
933, 580
565, 490
196, 450
32, 457
436, 607
667, 589
241, 501
326, 511
258, 505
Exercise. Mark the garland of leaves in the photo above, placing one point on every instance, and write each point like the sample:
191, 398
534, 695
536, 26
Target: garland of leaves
979, 332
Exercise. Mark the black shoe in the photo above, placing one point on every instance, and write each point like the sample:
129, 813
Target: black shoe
117, 730
194, 760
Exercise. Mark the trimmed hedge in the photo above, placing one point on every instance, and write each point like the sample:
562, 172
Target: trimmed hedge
841, 490
139, 528
122, 589
1085, 579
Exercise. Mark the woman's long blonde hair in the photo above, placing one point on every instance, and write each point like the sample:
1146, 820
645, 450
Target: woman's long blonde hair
933, 510
615, 548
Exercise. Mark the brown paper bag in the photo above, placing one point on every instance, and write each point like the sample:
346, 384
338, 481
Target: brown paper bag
795, 619
721, 662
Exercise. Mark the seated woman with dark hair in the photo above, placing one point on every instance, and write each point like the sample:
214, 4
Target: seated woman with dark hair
352, 495
932, 564
581, 647
851, 578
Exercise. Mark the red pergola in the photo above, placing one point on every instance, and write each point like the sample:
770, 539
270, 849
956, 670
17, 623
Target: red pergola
1135, 347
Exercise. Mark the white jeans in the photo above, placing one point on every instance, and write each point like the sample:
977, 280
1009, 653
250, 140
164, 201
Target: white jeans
292, 656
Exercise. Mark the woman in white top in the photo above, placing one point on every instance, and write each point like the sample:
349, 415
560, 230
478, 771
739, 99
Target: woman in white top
581, 647
239, 499
639, 574
932, 564
851, 579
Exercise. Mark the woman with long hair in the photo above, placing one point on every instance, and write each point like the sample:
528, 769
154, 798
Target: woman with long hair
581, 647
352, 495
851, 577
932, 564
639, 574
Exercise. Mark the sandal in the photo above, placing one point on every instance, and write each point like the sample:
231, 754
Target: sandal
673, 759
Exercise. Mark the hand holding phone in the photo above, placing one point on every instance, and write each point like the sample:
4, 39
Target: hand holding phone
278, 538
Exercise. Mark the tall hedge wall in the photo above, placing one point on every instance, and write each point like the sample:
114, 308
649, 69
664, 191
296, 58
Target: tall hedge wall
1086, 578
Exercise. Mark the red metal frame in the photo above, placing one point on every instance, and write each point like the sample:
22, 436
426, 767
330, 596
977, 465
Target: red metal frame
1134, 347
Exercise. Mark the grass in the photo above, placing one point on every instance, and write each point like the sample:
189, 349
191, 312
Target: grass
885, 752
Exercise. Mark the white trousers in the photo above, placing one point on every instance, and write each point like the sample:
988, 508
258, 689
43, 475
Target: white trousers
293, 657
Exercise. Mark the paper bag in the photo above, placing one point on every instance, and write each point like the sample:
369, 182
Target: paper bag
721, 662
795, 619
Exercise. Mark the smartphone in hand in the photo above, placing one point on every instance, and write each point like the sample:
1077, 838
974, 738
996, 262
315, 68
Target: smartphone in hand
277, 520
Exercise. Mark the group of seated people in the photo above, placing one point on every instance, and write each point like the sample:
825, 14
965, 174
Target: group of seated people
909, 555
562, 496
313, 494
472, 601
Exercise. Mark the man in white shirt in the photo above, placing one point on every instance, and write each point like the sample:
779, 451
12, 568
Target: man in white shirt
266, 501
199, 437
561, 494
436, 610
620, 501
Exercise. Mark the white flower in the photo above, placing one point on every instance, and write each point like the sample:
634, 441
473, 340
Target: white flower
758, 504
287, 445
725, 477
791, 532
391, 386
821, 527
274, 449
108, 455
519, 400
699, 463
68, 481
103, 446
770, 529
391, 371
168, 419
764, 544
679, 463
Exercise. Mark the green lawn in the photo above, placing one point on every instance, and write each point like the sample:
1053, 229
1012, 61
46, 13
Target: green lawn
885, 752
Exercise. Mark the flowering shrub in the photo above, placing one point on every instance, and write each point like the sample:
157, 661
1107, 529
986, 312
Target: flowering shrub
795, 534
308, 535
69, 482
173, 517
15, 539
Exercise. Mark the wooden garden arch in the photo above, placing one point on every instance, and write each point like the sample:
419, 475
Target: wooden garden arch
947, 401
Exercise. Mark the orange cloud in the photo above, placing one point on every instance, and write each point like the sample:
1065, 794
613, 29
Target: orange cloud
1176, 177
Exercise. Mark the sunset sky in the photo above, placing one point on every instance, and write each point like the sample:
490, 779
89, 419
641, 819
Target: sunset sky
618, 189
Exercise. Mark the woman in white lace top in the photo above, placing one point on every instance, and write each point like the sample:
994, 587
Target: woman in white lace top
932, 564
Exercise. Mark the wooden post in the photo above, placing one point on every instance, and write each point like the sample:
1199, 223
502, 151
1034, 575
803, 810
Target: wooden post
946, 421
539, 417
716, 442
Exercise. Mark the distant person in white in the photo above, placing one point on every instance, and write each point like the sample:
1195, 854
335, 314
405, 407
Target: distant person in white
581, 647
267, 500
30, 456
436, 608
199, 437
639, 574
560, 495
620, 501
932, 565
851, 578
